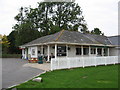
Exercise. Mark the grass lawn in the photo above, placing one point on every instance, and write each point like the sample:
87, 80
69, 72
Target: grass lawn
89, 77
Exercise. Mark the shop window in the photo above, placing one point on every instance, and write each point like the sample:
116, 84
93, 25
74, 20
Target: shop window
93, 51
85, 51
78, 51
99, 51
61, 51
33, 51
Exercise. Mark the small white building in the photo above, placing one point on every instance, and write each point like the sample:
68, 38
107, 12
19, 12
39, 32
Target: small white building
115, 40
68, 44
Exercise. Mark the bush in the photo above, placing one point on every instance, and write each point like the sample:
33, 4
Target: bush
11, 55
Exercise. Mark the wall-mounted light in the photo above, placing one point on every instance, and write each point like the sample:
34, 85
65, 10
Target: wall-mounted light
53, 47
68, 48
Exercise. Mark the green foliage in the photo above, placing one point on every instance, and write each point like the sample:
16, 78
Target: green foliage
97, 31
5, 44
11, 55
12, 37
47, 18
25, 33
89, 77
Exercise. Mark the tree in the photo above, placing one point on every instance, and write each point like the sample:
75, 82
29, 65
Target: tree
12, 38
63, 15
68, 16
47, 18
25, 33
5, 43
97, 31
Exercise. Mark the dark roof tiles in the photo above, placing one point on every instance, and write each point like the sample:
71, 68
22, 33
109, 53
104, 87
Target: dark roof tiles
115, 40
72, 37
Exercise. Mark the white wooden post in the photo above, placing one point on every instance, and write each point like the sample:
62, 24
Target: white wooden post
51, 65
82, 50
96, 51
102, 51
105, 61
42, 49
36, 51
95, 61
108, 52
58, 63
23, 54
66, 50
68, 59
55, 51
89, 50
48, 53
83, 62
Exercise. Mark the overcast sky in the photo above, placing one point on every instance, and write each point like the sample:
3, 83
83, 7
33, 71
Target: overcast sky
102, 14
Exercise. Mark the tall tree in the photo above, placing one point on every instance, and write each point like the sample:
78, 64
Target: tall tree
68, 15
97, 31
48, 18
5, 44
13, 49
25, 33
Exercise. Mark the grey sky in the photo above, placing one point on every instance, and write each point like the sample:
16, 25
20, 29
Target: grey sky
98, 13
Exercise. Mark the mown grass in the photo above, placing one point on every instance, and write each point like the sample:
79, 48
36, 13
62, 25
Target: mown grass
89, 77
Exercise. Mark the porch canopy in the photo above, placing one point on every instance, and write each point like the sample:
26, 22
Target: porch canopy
67, 38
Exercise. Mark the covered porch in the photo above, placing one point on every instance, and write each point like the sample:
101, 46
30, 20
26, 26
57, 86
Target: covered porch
56, 50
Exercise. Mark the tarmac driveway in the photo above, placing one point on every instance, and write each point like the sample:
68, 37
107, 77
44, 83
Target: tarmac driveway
14, 72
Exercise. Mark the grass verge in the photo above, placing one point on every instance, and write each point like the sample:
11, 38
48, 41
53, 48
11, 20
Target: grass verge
89, 77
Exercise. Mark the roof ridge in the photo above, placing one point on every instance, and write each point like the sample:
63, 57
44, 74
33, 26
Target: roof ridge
113, 36
59, 35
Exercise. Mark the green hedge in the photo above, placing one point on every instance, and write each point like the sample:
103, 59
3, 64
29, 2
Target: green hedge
11, 55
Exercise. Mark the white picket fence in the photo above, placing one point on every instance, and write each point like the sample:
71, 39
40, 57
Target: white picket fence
72, 62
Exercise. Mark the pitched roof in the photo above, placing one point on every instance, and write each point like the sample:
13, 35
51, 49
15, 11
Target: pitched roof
115, 40
65, 36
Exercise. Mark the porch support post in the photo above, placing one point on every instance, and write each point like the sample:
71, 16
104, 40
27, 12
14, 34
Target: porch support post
89, 50
55, 51
82, 50
42, 49
66, 50
36, 51
96, 51
108, 52
102, 51
48, 53
25, 53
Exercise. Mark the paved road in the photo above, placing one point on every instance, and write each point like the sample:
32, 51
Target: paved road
14, 72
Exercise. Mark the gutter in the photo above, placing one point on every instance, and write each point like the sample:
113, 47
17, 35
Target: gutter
67, 43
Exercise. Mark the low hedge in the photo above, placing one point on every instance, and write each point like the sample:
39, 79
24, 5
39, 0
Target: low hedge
11, 55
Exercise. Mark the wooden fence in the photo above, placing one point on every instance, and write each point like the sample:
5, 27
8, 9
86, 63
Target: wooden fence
72, 62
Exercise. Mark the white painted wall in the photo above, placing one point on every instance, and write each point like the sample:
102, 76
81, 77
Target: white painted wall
71, 52
36, 52
52, 50
114, 51
23, 54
